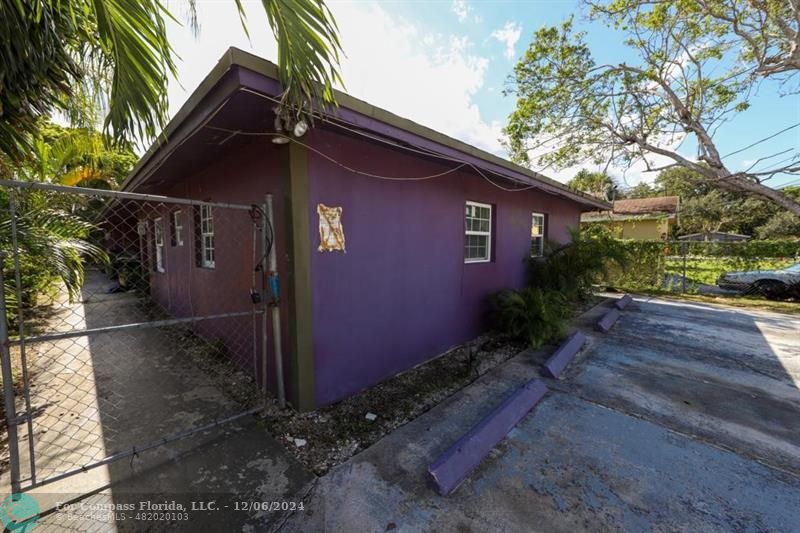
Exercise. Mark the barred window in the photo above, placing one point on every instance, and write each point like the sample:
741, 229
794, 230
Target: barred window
158, 237
177, 228
206, 236
477, 233
537, 234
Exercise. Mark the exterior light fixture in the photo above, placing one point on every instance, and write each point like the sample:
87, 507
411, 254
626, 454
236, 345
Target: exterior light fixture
279, 139
278, 124
300, 128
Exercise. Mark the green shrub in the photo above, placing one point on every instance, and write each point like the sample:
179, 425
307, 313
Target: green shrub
533, 315
646, 264
650, 261
538, 314
572, 269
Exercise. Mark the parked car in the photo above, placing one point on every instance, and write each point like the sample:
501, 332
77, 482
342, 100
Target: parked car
773, 284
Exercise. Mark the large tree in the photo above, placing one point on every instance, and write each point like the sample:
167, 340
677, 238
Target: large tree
687, 76
56, 52
704, 208
766, 30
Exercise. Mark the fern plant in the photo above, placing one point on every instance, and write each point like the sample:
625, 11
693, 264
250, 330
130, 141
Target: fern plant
534, 315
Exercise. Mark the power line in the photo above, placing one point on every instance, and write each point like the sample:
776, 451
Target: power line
762, 140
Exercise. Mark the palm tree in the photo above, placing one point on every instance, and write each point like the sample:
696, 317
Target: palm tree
76, 157
54, 231
52, 243
58, 51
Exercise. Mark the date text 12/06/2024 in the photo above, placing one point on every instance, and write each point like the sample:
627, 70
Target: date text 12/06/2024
180, 507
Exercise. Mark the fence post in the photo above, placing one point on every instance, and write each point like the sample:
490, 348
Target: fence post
684, 250
8, 388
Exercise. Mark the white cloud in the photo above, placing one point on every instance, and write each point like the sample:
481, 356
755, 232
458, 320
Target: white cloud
509, 35
461, 9
390, 62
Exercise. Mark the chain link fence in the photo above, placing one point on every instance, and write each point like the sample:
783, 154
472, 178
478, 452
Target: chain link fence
131, 321
699, 267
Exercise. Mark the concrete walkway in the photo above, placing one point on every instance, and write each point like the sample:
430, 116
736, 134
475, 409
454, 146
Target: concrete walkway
98, 395
599, 453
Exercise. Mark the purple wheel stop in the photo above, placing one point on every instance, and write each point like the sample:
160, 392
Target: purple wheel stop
561, 358
608, 320
453, 466
623, 302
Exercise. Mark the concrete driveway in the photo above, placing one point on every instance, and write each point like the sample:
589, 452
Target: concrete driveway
684, 417
730, 377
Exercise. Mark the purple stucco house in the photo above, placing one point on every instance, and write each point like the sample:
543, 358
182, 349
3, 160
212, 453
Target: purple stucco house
421, 255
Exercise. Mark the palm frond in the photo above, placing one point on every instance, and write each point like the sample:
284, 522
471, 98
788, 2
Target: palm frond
58, 50
54, 236
37, 68
309, 51
132, 35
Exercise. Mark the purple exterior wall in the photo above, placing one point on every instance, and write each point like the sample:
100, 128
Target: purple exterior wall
402, 293
243, 176
399, 296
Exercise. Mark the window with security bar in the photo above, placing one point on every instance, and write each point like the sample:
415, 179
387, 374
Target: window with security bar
177, 228
207, 244
158, 237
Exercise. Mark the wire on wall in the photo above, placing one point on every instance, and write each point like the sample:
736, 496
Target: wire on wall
257, 214
334, 160
337, 122
461, 164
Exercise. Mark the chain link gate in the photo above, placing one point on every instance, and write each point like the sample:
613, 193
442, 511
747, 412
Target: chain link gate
133, 321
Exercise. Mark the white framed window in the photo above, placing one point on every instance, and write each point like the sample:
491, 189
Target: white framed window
158, 238
537, 234
206, 236
477, 233
177, 228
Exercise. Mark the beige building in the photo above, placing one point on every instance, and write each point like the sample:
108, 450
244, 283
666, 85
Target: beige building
644, 219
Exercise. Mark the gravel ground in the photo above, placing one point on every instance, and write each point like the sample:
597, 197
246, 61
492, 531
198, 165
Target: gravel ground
329, 436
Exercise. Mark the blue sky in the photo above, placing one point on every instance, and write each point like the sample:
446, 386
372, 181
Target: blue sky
444, 64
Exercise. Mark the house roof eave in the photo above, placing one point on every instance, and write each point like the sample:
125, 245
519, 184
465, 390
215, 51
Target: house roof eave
234, 57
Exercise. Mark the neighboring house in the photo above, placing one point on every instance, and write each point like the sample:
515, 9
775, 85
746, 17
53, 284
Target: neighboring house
714, 236
421, 255
644, 219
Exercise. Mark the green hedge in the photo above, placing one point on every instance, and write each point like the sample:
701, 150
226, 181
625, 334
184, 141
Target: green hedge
649, 262
783, 248
645, 265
